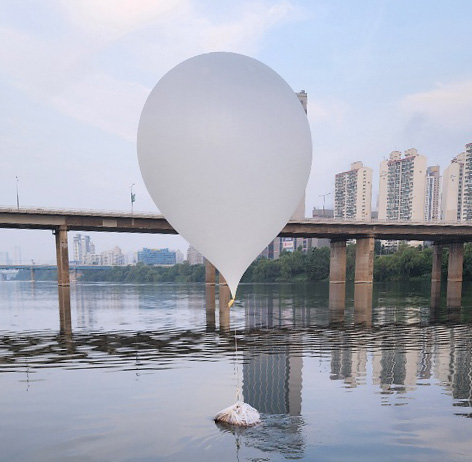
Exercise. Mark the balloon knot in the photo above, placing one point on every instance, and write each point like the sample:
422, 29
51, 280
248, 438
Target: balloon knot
230, 304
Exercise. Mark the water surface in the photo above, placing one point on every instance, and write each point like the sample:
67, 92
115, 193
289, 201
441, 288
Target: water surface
136, 373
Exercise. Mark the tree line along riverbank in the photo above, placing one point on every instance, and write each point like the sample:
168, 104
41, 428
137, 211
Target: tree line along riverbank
407, 263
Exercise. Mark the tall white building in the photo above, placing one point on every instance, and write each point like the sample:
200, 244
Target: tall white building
431, 202
112, 257
353, 193
402, 186
456, 204
290, 244
194, 257
83, 248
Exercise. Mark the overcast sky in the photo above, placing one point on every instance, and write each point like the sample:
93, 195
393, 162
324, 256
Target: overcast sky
74, 76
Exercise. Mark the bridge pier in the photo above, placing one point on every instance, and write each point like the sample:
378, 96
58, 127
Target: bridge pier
364, 280
337, 262
224, 298
436, 275
62, 256
210, 273
454, 274
337, 280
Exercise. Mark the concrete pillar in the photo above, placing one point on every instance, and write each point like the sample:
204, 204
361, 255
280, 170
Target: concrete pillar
436, 276
221, 279
363, 279
364, 272
210, 273
337, 262
454, 274
224, 298
62, 255
337, 281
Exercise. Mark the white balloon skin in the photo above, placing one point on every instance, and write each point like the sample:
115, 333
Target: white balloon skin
224, 148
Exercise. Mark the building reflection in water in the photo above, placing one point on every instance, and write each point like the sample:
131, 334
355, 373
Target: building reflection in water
272, 376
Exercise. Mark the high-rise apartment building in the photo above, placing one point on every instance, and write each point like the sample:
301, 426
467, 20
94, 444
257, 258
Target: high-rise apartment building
456, 204
353, 193
431, 203
402, 186
278, 245
83, 248
194, 257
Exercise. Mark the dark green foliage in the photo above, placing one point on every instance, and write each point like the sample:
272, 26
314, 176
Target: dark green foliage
318, 264
405, 264
39, 275
146, 274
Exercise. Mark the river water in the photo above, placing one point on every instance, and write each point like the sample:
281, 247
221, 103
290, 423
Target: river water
137, 372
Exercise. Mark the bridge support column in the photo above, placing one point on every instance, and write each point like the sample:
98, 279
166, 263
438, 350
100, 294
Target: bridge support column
221, 280
337, 262
224, 298
363, 281
62, 255
364, 271
337, 281
454, 274
436, 275
210, 273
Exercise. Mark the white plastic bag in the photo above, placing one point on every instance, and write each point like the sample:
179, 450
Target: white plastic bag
240, 414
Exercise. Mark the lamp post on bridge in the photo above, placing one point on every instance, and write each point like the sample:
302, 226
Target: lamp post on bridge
324, 200
17, 194
133, 197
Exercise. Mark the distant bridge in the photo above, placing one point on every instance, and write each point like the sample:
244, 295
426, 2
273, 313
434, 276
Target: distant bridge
53, 267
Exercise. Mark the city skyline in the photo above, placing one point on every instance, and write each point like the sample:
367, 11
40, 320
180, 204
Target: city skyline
74, 78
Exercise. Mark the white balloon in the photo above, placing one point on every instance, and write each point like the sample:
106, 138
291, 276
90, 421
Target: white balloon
224, 148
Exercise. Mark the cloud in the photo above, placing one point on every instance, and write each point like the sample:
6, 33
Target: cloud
255, 20
111, 19
104, 102
333, 112
449, 106
69, 72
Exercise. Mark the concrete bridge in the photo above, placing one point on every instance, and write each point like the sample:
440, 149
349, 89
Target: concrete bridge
440, 234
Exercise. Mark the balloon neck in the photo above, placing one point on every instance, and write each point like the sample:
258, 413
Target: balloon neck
230, 304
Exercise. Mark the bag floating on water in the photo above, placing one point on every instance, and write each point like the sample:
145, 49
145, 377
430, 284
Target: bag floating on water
240, 414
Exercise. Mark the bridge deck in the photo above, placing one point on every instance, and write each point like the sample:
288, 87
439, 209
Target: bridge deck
79, 220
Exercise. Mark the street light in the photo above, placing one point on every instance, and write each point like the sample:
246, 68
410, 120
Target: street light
133, 197
17, 194
324, 199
